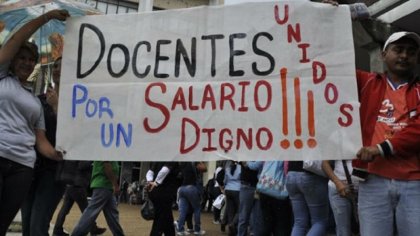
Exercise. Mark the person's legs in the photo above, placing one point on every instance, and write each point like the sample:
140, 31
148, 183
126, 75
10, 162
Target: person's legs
162, 198
26, 209
281, 223
300, 209
315, 190
47, 195
407, 212
342, 210
246, 203
15, 181
376, 207
65, 209
99, 199
112, 216
183, 208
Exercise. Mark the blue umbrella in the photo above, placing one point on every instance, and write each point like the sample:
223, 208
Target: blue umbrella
49, 38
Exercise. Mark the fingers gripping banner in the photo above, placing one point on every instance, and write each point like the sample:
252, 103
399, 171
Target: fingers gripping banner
265, 81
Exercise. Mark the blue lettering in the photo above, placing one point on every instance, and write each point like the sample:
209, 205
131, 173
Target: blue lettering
76, 100
127, 137
108, 140
111, 135
105, 106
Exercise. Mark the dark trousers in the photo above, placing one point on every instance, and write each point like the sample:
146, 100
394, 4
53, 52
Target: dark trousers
15, 181
73, 194
276, 217
40, 203
162, 198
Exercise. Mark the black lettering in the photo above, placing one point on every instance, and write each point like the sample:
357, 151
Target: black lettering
260, 52
124, 49
101, 38
134, 62
213, 38
160, 58
190, 64
233, 53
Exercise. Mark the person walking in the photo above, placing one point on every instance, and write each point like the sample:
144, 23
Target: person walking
76, 192
162, 185
105, 187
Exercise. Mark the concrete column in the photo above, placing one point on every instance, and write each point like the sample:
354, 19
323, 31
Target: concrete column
145, 5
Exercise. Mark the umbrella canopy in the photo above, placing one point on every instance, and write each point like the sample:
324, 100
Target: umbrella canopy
49, 38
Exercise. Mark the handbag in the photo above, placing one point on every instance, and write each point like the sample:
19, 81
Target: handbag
219, 201
147, 210
272, 181
314, 166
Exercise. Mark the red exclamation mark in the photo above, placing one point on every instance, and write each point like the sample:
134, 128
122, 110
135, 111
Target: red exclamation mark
298, 125
311, 119
285, 144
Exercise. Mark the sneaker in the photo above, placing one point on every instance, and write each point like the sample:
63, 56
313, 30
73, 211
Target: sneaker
216, 222
97, 231
202, 232
190, 230
181, 233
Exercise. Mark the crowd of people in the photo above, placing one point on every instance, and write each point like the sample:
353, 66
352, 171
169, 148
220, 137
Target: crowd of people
381, 198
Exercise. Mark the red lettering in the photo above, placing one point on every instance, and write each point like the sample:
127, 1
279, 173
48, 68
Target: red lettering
208, 96
225, 143
328, 89
183, 148
247, 139
318, 79
209, 147
269, 141
346, 109
179, 99
293, 33
286, 14
257, 97
243, 84
225, 96
304, 58
161, 107
191, 105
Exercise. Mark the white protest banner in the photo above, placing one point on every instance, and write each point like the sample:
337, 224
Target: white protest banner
266, 81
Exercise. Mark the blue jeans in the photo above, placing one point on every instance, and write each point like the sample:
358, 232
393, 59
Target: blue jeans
189, 196
309, 196
42, 200
246, 204
102, 200
381, 200
342, 210
15, 181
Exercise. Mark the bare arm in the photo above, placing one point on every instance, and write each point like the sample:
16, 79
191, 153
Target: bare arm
341, 187
45, 147
111, 176
12, 46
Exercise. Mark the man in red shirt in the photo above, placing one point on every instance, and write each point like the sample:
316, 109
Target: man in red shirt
390, 120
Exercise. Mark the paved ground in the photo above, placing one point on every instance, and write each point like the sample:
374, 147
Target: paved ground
131, 221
